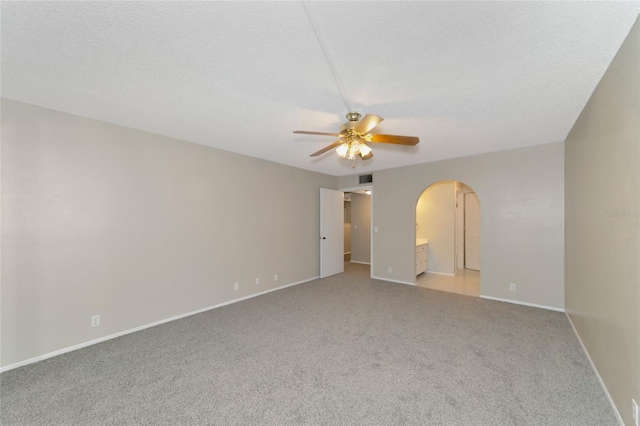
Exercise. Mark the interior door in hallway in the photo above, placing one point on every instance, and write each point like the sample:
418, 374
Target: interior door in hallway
331, 232
471, 231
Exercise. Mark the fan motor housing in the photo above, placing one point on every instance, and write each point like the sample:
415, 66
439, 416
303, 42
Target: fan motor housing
353, 116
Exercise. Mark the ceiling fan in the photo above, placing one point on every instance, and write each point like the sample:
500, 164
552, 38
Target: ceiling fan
354, 136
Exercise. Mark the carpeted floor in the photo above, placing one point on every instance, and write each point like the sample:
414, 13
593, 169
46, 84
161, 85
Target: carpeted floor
339, 351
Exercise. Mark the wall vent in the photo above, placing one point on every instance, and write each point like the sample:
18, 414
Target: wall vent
366, 178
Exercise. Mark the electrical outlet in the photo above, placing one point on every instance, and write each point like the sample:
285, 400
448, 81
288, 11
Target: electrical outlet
635, 413
275, 277
236, 286
390, 269
257, 281
512, 287
95, 320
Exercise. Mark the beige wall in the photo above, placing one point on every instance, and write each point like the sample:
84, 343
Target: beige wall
603, 226
347, 238
102, 219
521, 194
435, 216
360, 228
347, 227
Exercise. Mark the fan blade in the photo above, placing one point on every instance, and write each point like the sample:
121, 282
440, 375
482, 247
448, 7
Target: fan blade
366, 157
367, 123
326, 148
400, 140
304, 132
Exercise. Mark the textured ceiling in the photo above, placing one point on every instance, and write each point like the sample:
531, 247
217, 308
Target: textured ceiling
466, 78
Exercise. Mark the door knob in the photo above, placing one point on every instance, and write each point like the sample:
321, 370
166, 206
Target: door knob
324, 238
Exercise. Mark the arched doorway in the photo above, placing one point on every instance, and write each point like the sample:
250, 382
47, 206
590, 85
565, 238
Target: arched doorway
448, 238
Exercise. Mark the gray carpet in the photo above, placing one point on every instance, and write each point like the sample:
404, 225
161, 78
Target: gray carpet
339, 351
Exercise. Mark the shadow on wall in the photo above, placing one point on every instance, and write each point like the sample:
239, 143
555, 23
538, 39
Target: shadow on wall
448, 219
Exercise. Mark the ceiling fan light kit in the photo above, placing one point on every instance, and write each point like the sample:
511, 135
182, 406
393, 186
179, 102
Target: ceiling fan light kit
351, 148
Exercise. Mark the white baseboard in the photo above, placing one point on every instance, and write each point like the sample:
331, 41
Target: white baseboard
362, 263
440, 273
142, 327
392, 281
517, 302
595, 370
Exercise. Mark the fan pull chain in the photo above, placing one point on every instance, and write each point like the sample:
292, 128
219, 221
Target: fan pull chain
332, 66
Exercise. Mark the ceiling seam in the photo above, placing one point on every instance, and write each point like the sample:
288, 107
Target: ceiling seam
332, 66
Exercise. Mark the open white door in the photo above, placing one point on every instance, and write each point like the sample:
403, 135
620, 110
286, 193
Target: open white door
331, 232
471, 231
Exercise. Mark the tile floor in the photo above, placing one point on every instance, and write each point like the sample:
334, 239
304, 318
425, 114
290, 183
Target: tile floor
466, 282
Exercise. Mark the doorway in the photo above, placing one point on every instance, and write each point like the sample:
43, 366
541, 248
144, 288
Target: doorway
448, 222
358, 240
345, 229
357, 226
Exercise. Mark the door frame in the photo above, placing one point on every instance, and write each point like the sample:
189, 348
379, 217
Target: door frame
366, 188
